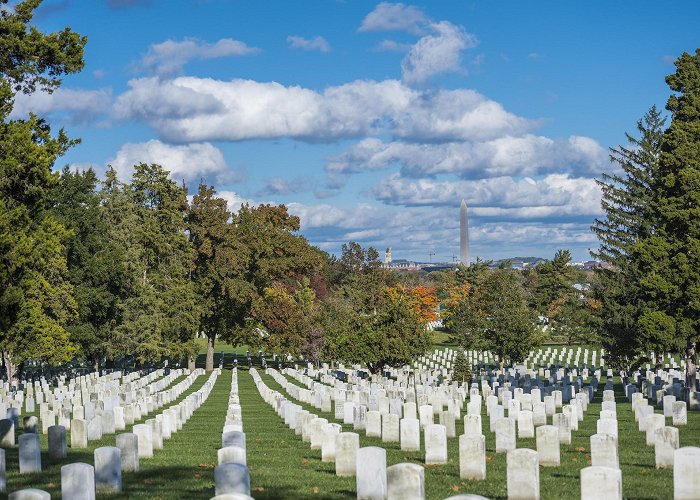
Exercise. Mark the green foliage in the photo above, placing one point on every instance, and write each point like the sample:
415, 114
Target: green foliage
462, 371
669, 258
363, 322
573, 321
554, 283
95, 263
496, 317
217, 264
286, 317
628, 200
36, 299
30, 59
160, 312
273, 256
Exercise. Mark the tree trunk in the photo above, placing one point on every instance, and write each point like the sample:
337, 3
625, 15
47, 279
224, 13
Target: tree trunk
191, 362
690, 365
10, 367
96, 363
209, 365
658, 359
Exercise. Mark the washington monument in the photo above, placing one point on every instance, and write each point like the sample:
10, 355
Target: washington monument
463, 234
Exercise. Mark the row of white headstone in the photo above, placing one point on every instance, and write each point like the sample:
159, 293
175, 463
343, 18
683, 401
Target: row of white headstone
231, 475
102, 416
603, 444
80, 481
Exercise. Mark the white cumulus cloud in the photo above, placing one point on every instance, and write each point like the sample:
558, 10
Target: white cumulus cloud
78, 104
202, 109
316, 43
168, 58
554, 195
388, 16
436, 53
527, 155
189, 162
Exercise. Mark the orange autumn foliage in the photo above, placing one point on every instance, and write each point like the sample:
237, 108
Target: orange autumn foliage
422, 298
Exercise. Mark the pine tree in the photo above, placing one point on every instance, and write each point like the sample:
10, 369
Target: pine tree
669, 257
160, 312
630, 215
462, 371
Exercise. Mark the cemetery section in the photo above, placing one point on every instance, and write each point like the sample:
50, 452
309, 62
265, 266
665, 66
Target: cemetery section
558, 425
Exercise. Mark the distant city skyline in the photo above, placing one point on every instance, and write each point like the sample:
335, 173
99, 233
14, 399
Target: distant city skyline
371, 120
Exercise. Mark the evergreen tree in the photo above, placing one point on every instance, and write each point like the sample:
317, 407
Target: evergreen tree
161, 314
462, 371
554, 283
628, 201
669, 257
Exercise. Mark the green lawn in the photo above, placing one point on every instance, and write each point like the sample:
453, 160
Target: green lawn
285, 464
174, 472
282, 466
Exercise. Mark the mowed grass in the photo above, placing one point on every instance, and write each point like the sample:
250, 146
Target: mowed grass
282, 466
184, 468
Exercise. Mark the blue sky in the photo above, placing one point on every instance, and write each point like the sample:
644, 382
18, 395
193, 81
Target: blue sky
372, 120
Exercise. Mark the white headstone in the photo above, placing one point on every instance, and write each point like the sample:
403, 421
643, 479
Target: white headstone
526, 428
346, 446
548, 446
680, 413
330, 434
472, 425
410, 434
665, 445
505, 435
604, 451
686, 473
405, 481
472, 457
653, 422
108, 469
78, 482
231, 455
390, 428
601, 483
561, 421
435, 444
371, 474
145, 436
523, 475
